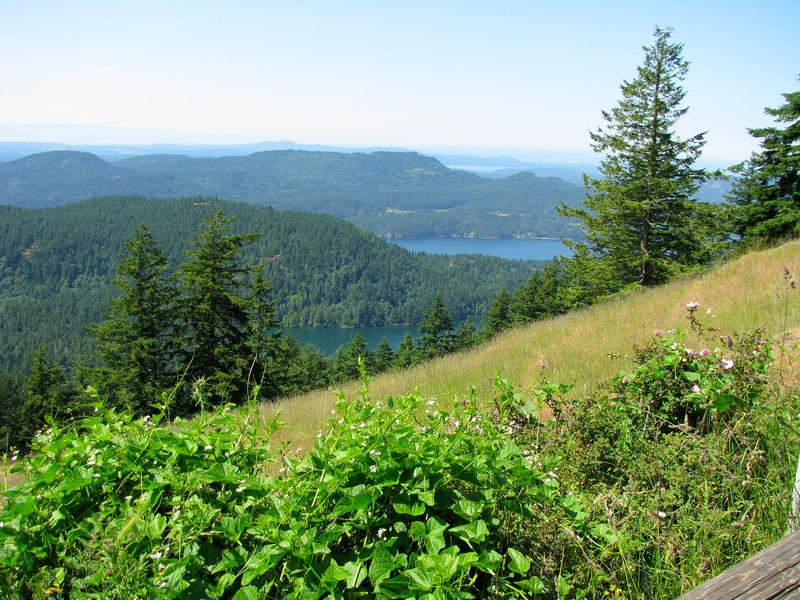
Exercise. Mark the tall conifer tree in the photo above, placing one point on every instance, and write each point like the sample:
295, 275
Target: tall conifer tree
642, 224
406, 354
136, 341
47, 393
216, 312
768, 190
436, 330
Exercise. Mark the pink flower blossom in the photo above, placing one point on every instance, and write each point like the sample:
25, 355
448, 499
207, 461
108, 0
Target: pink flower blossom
696, 389
727, 364
692, 305
658, 332
704, 351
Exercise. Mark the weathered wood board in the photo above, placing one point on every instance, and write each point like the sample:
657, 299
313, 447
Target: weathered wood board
772, 573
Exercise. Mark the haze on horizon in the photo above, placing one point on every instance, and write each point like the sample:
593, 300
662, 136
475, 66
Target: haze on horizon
462, 76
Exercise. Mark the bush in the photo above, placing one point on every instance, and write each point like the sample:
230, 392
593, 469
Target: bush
397, 501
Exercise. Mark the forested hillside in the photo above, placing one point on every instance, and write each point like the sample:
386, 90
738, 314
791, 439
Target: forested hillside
57, 267
393, 194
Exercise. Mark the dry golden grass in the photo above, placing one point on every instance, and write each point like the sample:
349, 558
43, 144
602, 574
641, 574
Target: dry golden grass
579, 348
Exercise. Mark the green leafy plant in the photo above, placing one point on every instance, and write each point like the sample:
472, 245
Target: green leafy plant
402, 500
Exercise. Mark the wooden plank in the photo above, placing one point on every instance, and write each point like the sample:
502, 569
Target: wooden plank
770, 574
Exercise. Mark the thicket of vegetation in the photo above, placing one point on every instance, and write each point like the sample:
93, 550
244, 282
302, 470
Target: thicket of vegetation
398, 194
324, 272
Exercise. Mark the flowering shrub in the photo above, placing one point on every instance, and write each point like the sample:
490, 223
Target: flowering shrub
689, 459
674, 385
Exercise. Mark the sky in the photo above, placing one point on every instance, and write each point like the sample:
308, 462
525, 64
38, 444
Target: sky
486, 78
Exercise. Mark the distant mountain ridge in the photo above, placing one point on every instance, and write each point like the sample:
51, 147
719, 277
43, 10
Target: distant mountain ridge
393, 194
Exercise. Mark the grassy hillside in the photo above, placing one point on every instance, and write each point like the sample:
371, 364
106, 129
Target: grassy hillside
587, 347
395, 194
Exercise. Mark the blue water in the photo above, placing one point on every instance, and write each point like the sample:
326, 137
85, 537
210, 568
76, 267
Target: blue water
515, 248
328, 340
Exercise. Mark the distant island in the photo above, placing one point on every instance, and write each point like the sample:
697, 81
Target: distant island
392, 194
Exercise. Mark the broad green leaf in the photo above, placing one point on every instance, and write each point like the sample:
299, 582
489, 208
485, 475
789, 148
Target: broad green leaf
420, 578
489, 560
467, 560
335, 573
261, 562
249, 592
396, 587
231, 559
475, 531
443, 565
509, 450
418, 530
563, 586
381, 565
427, 498
388, 477
358, 573
352, 503
533, 585
414, 510
519, 562
434, 540
601, 530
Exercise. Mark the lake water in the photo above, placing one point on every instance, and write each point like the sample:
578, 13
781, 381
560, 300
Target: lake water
328, 340
515, 248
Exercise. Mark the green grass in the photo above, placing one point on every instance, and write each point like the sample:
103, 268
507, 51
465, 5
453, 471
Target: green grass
587, 347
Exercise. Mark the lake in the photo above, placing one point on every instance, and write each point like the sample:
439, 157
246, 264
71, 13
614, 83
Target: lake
328, 340
514, 248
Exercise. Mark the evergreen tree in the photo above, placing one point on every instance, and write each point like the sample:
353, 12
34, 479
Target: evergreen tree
267, 351
641, 223
464, 337
11, 424
46, 393
499, 316
436, 336
383, 357
216, 312
767, 192
539, 298
406, 354
345, 361
311, 371
135, 341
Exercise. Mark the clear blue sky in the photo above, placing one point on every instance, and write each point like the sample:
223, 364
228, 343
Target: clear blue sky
419, 74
